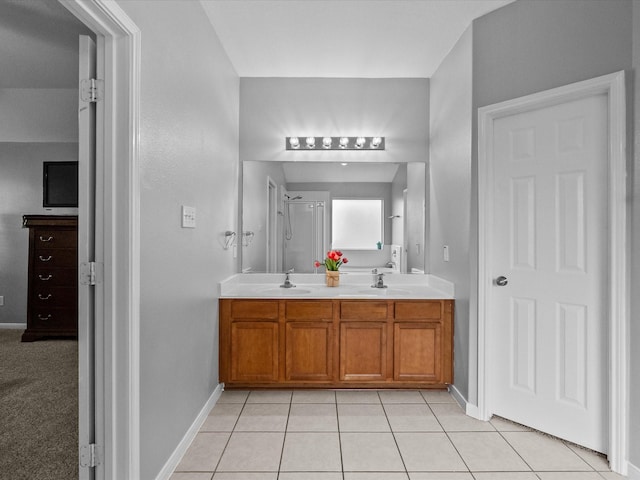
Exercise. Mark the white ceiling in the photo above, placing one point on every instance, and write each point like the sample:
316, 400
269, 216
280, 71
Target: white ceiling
342, 38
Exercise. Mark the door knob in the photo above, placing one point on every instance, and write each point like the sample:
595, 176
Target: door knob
501, 281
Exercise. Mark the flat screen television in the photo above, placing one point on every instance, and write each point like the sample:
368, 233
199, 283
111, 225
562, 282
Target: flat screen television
60, 184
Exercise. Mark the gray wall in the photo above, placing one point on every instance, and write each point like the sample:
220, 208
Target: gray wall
188, 156
634, 176
274, 108
450, 205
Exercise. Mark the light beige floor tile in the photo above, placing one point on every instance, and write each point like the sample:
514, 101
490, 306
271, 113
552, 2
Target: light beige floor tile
263, 417
375, 476
310, 476
362, 418
424, 452
233, 396
370, 452
612, 476
311, 452
203, 453
222, 418
596, 460
400, 396
439, 476
191, 476
412, 418
505, 476
569, 476
314, 396
438, 396
305, 417
357, 396
252, 452
246, 476
503, 425
544, 453
270, 396
487, 452
453, 419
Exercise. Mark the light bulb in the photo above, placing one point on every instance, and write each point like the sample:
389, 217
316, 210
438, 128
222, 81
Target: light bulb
326, 142
360, 141
344, 142
375, 142
311, 142
294, 143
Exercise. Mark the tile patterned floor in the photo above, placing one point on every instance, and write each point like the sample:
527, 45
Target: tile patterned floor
372, 435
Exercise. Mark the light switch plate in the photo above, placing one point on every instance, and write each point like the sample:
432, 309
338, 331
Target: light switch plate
445, 253
1, 300
188, 217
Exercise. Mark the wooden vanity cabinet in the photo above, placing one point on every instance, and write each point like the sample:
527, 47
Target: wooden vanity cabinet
336, 343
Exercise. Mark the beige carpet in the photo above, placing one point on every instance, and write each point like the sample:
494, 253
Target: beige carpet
38, 408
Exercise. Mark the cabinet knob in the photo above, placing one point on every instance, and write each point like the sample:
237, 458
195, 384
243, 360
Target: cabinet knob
43, 317
42, 297
44, 279
45, 259
42, 239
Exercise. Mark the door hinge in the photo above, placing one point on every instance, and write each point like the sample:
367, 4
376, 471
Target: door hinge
90, 273
91, 90
90, 455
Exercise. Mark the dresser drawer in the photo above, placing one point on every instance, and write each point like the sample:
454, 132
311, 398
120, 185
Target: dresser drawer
46, 276
364, 310
55, 257
54, 297
50, 238
53, 318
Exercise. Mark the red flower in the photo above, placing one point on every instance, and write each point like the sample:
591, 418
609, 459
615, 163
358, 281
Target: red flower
344, 260
316, 264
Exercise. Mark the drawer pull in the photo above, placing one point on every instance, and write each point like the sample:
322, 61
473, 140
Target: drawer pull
42, 239
45, 259
41, 297
43, 317
44, 279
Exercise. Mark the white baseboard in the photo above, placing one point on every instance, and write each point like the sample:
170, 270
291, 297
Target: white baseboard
182, 447
13, 326
469, 408
634, 472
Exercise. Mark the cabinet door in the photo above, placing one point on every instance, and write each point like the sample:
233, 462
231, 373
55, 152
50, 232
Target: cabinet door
254, 351
417, 353
363, 351
309, 351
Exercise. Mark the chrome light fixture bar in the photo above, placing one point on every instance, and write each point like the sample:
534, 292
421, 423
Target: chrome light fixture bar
334, 143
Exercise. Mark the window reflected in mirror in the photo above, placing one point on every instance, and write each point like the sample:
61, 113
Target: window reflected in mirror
357, 224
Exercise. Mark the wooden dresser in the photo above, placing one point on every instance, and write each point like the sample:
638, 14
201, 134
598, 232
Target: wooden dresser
52, 302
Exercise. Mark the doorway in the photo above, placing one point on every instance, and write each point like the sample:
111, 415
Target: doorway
562, 347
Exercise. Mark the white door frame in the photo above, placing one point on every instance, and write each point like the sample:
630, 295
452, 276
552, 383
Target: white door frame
117, 239
613, 86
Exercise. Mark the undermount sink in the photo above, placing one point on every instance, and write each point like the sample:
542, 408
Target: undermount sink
284, 291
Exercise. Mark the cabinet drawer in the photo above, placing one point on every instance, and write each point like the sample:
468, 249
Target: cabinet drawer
53, 318
45, 238
302, 310
55, 257
54, 296
406, 310
365, 310
46, 276
248, 309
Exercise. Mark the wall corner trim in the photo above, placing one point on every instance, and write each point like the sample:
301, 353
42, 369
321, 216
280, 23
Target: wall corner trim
633, 472
191, 433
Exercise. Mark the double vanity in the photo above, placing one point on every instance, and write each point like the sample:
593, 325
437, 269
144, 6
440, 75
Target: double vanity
350, 336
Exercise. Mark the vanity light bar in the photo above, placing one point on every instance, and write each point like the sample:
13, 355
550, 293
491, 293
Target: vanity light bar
334, 143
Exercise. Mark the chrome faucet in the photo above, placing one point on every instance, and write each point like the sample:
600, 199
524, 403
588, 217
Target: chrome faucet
377, 279
287, 282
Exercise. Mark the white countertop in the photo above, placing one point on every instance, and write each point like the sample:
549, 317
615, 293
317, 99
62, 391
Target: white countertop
352, 285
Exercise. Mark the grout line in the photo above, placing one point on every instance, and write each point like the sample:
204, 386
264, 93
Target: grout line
230, 435
393, 435
284, 439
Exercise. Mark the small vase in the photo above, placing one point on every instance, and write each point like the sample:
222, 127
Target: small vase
332, 278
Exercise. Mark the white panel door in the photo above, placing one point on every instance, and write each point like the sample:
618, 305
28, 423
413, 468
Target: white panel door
548, 351
86, 253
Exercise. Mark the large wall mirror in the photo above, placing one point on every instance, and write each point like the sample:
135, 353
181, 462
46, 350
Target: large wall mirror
288, 215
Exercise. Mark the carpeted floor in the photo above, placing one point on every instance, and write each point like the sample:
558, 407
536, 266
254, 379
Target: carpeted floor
38, 408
